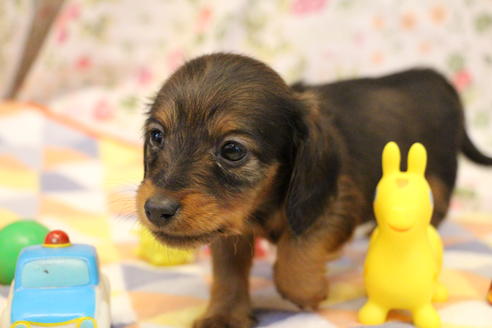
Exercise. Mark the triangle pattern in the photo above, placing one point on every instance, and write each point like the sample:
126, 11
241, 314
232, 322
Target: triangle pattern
479, 284
452, 229
118, 154
60, 135
137, 277
480, 229
150, 305
51, 181
54, 208
54, 156
184, 286
28, 156
24, 206
11, 163
79, 199
461, 286
88, 146
19, 179
180, 318
267, 317
123, 164
88, 173
471, 246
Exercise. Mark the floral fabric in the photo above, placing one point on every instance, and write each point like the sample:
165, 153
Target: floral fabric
14, 24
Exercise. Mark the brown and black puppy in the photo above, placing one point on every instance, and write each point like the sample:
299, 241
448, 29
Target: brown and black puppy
232, 152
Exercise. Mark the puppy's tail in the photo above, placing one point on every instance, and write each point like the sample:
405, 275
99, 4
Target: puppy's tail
471, 151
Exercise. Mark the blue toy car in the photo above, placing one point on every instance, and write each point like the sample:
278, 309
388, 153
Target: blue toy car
57, 284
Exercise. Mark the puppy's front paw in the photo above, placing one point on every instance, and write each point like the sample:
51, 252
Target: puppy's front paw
305, 299
306, 291
225, 321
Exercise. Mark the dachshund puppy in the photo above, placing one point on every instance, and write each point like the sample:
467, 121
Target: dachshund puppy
232, 152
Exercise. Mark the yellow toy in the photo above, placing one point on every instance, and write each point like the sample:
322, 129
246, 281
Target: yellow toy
405, 251
157, 254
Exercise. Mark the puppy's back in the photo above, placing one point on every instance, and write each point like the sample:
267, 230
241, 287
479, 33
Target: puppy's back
417, 105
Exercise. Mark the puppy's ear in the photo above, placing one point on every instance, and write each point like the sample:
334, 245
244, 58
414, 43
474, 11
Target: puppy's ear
315, 168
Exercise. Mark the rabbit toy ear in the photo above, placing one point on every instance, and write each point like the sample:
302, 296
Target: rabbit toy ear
391, 158
417, 159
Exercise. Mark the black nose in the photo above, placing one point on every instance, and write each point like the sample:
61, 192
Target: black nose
160, 210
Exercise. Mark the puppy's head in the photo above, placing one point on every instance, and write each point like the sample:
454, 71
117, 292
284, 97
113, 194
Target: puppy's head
221, 139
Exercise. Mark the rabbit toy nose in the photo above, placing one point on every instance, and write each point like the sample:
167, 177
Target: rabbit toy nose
401, 182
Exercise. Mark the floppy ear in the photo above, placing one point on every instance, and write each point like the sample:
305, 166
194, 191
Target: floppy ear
391, 158
417, 159
314, 175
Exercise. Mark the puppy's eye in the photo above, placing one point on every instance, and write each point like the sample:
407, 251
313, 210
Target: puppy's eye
233, 151
156, 137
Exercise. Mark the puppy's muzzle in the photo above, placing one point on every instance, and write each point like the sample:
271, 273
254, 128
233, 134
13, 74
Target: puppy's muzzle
160, 210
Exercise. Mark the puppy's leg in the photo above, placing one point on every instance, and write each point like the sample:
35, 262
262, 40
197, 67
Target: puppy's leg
441, 195
300, 269
230, 305
299, 272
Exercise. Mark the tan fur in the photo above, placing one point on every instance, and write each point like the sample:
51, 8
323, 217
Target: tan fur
203, 214
310, 99
167, 115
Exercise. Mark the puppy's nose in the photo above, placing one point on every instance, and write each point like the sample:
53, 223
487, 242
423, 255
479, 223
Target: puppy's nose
160, 210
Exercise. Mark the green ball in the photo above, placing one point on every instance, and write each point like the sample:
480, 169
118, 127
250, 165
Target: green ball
13, 238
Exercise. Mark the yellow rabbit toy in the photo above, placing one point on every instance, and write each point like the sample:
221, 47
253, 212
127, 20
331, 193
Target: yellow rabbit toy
405, 251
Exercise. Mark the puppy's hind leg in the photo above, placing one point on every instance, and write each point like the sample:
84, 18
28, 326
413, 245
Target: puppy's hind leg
441, 195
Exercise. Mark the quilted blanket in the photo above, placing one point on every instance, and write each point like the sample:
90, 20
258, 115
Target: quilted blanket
70, 176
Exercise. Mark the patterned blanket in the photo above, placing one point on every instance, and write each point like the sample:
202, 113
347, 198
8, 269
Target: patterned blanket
73, 177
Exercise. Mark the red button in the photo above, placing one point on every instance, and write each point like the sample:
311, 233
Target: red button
56, 237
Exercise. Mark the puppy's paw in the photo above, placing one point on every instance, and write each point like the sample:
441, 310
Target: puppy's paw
307, 292
304, 300
225, 321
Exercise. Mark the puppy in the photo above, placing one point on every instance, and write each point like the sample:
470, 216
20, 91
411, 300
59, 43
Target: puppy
232, 152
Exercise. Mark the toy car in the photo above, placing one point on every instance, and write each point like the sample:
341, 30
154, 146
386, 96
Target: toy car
57, 284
